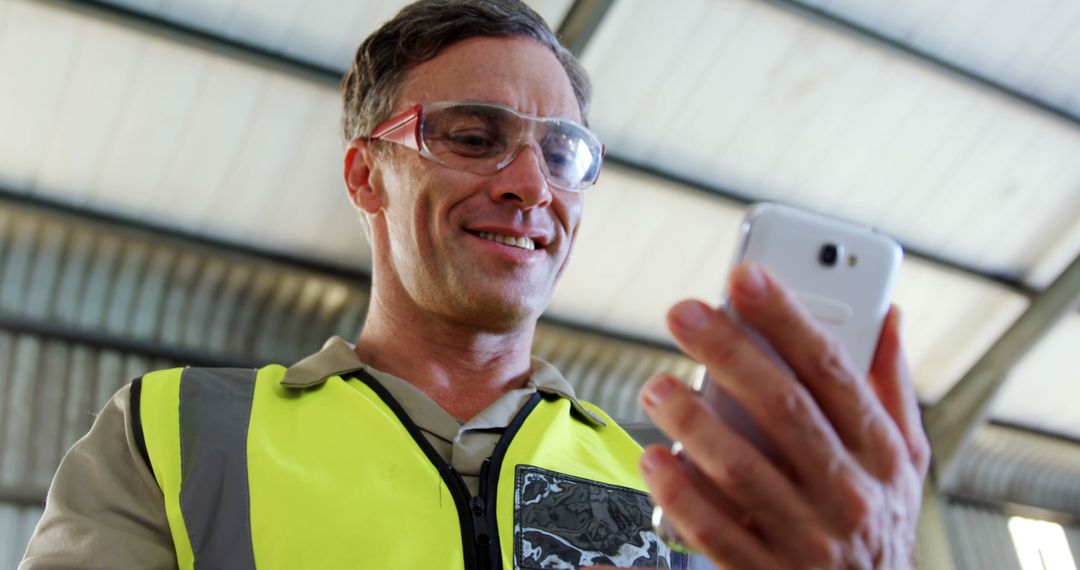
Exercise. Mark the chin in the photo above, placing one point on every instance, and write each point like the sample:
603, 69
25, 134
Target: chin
503, 313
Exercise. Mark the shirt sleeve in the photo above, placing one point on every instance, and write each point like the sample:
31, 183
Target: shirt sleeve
104, 508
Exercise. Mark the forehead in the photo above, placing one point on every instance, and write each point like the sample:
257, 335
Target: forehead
517, 72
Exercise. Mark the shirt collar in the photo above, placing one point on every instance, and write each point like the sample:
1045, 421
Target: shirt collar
337, 358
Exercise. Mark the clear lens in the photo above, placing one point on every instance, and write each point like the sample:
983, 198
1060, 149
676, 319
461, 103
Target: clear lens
572, 155
479, 138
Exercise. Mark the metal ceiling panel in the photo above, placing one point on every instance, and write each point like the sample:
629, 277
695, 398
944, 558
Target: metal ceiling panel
328, 32
949, 321
643, 245
1054, 261
1042, 380
213, 135
27, 113
120, 122
751, 97
157, 111
93, 101
1030, 47
681, 243
323, 32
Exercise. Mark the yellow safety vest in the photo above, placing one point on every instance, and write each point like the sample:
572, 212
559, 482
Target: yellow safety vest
256, 474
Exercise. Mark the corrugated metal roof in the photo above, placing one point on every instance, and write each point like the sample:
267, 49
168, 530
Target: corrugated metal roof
125, 302
1010, 465
16, 525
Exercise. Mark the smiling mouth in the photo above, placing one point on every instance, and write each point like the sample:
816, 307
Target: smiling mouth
518, 242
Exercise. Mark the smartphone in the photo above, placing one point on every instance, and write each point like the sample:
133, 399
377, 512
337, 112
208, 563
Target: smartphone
842, 273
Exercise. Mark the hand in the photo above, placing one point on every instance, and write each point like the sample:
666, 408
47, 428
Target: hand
855, 448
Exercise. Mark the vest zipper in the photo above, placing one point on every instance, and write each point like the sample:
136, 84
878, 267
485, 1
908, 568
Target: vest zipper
458, 490
474, 524
483, 504
476, 515
489, 479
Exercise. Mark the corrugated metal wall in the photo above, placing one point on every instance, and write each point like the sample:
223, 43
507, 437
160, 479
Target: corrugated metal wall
1026, 468
980, 538
16, 524
86, 305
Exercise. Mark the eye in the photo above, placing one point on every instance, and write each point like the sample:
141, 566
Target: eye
564, 156
476, 142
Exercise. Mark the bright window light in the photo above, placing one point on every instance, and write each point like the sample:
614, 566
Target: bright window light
1040, 545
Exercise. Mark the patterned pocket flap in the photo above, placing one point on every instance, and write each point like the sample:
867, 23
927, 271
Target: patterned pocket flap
561, 521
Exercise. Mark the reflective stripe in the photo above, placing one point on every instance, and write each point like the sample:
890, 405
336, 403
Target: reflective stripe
215, 406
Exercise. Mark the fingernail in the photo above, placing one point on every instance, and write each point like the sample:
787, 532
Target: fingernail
657, 391
751, 282
691, 316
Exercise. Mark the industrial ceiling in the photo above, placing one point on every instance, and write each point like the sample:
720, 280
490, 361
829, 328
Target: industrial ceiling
954, 127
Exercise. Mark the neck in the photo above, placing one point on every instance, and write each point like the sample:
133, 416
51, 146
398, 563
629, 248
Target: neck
461, 367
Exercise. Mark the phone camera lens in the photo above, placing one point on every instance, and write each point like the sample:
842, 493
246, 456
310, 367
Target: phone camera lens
828, 255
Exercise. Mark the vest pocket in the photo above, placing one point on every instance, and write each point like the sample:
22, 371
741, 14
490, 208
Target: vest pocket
562, 521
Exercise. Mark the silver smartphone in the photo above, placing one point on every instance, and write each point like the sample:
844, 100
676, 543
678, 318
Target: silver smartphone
842, 273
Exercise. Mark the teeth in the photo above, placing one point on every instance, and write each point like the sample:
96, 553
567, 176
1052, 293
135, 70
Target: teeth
521, 242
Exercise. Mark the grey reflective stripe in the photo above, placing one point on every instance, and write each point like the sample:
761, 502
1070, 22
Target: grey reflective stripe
215, 406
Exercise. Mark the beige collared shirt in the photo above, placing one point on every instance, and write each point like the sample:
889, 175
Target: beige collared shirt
105, 510
464, 445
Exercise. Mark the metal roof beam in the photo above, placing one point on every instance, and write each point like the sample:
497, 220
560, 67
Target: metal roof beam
581, 22
22, 497
952, 421
108, 219
740, 199
828, 19
102, 340
192, 37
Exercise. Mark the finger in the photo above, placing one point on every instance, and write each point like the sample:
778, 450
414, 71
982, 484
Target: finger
729, 462
891, 380
780, 406
699, 523
820, 362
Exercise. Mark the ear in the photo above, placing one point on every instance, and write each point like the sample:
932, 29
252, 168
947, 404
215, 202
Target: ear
365, 190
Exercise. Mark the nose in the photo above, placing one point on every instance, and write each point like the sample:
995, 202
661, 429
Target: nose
522, 181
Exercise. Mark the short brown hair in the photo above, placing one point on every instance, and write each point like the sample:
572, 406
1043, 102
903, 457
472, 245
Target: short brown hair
418, 33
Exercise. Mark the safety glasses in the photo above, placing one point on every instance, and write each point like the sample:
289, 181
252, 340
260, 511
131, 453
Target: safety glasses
483, 138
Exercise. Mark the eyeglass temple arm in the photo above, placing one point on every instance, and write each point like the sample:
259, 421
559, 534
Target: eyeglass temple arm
402, 129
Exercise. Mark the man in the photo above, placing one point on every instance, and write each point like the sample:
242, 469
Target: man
437, 440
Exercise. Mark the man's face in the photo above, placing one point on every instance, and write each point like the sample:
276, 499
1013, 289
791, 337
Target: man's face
437, 223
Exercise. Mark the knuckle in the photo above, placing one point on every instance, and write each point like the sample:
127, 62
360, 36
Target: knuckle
789, 405
821, 550
792, 410
704, 536
667, 491
890, 450
791, 316
683, 417
740, 472
920, 454
723, 348
860, 507
829, 360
